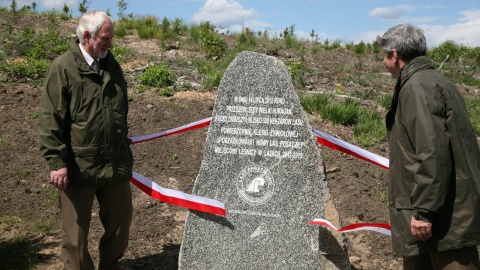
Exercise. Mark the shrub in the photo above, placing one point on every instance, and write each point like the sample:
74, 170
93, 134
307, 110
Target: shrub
247, 37
121, 53
157, 76
296, 70
147, 27
212, 43
23, 69
360, 48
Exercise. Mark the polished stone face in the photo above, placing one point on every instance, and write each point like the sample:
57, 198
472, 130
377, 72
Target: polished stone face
263, 162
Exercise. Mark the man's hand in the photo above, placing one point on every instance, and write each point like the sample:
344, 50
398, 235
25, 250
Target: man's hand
421, 230
59, 178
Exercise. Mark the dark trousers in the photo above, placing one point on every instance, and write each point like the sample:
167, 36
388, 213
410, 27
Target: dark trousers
457, 259
116, 209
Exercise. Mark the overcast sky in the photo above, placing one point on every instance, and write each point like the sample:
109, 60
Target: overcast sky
344, 20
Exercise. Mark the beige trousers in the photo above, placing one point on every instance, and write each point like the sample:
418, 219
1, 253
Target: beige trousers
116, 209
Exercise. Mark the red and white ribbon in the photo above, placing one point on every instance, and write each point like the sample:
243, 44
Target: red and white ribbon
323, 139
377, 227
187, 127
215, 207
336, 144
178, 198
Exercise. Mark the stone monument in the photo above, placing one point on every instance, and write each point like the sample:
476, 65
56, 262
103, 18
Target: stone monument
262, 160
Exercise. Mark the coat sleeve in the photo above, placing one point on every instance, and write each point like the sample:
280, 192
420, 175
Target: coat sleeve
424, 119
52, 126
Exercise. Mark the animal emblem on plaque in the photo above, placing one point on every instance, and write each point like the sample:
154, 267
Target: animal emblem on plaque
255, 185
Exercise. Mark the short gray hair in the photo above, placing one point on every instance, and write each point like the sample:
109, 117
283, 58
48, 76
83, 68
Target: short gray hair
91, 22
409, 41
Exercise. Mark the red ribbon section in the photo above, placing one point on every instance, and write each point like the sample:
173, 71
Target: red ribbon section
339, 145
188, 127
178, 198
377, 227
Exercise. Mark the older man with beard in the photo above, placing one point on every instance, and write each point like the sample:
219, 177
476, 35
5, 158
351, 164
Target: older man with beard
83, 137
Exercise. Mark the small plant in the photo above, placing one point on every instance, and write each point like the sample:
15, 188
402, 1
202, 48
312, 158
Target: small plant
121, 53
179, 27
120, 30
213, 45
247, 38
175, 157
49, 197
23, 172
45, 225
296, 70
212, 80
157, 76
360, 49
338, 88
9, 220
30, 69
166, 92
384, 101
379, 194
34, 114
147, 27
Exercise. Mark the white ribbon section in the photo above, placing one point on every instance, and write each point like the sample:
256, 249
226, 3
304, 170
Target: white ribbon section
177, 197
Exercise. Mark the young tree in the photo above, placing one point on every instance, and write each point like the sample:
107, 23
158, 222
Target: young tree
83, 6
13, 6
66, 11
122, 6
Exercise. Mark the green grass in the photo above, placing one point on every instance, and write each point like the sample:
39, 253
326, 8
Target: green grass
379, 194
473, 108
367, 125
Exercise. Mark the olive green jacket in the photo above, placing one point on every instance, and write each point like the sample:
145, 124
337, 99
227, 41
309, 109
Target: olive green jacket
434, 162
83, 120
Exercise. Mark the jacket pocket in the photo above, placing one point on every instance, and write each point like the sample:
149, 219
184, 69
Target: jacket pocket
124, 159
85, 166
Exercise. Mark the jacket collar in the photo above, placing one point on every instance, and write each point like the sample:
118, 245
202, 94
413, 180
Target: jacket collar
415, 65
80, 61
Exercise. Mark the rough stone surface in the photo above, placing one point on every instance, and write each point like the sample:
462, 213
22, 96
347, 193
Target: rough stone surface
263, 162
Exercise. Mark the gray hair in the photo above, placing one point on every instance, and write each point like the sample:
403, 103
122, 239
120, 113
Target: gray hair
409, 41
91, 22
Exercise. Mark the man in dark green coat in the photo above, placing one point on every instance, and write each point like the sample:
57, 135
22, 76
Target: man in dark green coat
434, 193
83, 137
